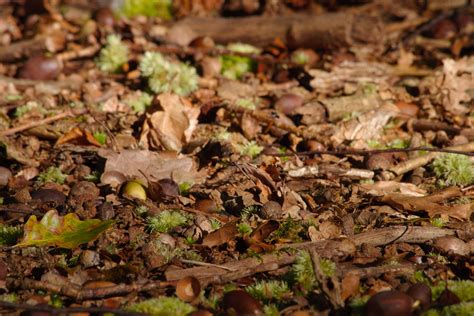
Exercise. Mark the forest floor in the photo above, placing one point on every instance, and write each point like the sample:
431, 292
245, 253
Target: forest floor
236, 157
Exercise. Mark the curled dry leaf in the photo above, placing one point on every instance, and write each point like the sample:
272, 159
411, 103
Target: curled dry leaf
222, 235
171, 127
381, 188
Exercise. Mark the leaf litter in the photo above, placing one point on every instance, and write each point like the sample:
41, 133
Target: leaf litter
153, 165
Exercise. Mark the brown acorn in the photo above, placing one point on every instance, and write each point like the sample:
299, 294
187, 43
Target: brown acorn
188, 289
104, 17
288, 103
240, 302
389, 303
422, 293
41, 68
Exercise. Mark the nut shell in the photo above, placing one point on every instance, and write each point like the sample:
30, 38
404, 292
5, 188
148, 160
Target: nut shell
188, 289
41, 68
389, 303
241, 303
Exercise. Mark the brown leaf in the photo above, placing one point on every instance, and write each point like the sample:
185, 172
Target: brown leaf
423, 204
171, 127
350, 285
134, 164
222, 235
79, 137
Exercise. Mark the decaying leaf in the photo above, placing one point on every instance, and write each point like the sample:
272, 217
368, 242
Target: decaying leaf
171, 127
424, 204
457, 78
66, 232
143, 164
222, 235
385, 187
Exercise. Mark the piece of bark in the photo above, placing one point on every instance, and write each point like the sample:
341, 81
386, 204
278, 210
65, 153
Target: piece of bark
326, 249
330, 30
429, 125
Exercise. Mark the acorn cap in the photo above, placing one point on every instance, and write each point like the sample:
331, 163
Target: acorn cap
188, 288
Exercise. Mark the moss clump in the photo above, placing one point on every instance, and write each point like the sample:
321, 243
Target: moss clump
149, 8
166, 76
454, 169
251, 149
272, 290
52, 174
113, 55
9, 235
162, 306
462, 309
464, 289
233, 67
166, 221
139, 102
303, 271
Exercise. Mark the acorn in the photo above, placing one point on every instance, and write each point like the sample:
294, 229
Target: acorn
41, 68
307, 57
113, 178
444, 29
422, 293
288, 103
188, 289
379, 161
240, 302
5, 175
50, 196
407, 109
389, 303
134, 190
104, 17
204, 42
206, 206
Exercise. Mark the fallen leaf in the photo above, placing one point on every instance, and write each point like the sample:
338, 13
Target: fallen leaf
385, 187
171, 127
78, 137
222, 235
143, 164
65, 232
350, 285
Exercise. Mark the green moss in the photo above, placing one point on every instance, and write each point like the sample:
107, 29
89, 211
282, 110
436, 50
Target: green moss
52, 174
139, 102
9, 235
100, 137
267, 291
328, 267
166, 221
288, 229
149, 8
454, 169
251, 149
113, 55
464, 289
303, 271
244, 229
162, 306
462, 309
300, 58
166, 76
271, 310
246, 103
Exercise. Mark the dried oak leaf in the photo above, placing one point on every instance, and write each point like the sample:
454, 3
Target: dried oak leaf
143, 164
419, 204
222, 235
457, 78
171, 127
65, 232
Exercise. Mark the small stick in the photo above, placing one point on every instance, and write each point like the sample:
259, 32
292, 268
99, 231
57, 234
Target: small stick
199, 263
57, 117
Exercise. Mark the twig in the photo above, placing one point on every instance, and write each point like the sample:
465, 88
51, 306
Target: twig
82, 294
57, 117
66, 310
205, 264
80, 53
459, 150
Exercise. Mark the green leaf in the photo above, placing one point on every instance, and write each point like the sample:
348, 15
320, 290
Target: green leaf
65, 232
